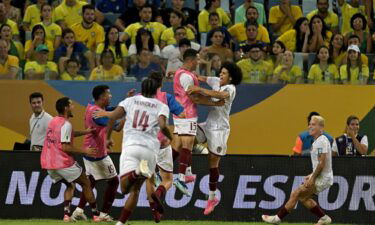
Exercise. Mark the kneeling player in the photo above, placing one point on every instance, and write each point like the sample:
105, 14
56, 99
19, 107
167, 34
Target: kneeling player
56, 157
320, 179
217, 128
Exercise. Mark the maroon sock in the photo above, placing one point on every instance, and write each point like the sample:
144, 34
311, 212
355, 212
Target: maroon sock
125, 214
317, 211
214, 177
282, 213
152, 206
110, 194
184, 160
94, 209
175, 154
160, 191
67, 207
82, 199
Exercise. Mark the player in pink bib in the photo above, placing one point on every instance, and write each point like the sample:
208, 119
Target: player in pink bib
56, 157
101, 166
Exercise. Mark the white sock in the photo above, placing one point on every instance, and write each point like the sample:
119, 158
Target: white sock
119, 223
188, 171
181, 177
211, 195
277, 218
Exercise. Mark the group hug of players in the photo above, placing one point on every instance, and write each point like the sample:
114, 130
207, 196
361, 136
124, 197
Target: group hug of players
147, 144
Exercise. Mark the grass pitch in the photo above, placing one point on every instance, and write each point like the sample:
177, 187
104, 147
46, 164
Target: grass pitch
136, 222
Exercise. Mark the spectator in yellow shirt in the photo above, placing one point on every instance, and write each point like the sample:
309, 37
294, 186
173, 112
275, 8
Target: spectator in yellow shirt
319, 34
358, 23
330, 18
38, 37
355, 71
238, 31
9, 65
53, 31
251, 34
277, 53
337, 49
296, 40
112, 42
69, 12
88, 31
107, 70
286, 72
283, 16
212, 6
324, 70
155, 28
255, 69
5, 20
176, 20
32, 15
354, 40
71, 71
347, 11
41, 68
15, 47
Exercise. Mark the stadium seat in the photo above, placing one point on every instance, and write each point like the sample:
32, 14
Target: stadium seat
203, 38
310, 60
298, 59
187, 4
308, 6
27, 35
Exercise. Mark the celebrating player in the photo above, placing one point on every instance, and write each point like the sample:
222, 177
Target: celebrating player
144, 116
56, 157
186, 128
99, 167
216, 129
320, 179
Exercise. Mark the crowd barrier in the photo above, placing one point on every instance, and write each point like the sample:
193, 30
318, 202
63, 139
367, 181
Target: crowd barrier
248, 187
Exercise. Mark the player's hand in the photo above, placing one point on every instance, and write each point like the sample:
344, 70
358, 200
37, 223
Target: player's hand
306, 179
131, 93
220, 102
109, 144
91, 152
170, 74
89, 130
99, 114
193, 90
350, 132
309, 183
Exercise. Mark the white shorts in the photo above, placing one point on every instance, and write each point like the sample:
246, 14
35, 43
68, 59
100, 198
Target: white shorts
185, 126
101, 169
132, 156
164, 159
216, 139
322, 183
69, 174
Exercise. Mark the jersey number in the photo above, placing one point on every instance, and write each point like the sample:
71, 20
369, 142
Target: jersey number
143, 121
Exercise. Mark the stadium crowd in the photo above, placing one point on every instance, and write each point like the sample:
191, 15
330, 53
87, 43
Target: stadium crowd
285, 41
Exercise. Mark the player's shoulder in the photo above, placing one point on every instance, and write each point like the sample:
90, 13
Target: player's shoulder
322, 139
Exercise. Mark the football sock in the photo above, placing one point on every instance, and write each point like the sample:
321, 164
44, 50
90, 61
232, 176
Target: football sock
317, 211
214, 177
125, 214
175, 154
82, 199
110, 194
67, 207
94, 210
160, 192
184, 160
283, 212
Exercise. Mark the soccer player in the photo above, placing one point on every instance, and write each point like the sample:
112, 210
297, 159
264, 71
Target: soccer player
186, 128
144, 116
216, 129
320, 179
56, 157
101, 166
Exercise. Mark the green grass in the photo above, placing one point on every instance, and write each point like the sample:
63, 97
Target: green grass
137, 222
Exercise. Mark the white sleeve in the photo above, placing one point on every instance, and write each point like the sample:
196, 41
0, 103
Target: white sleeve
364, 140
124, 104
334, 147
186, 81
66, 132
322, 146
213, 82
156, 50
164, 111
132, 50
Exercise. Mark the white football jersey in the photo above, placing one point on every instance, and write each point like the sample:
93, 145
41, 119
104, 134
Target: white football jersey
319, 146
142, 125
218, 116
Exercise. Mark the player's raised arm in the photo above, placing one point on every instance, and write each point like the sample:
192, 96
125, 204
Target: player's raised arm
205, 100
210, 93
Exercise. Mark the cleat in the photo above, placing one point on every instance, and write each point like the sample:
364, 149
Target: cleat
156, 215
324, 220
189, 178
143, 169
68, 219
271, 219
182, 187
210, 206
79, 214
104, 217
157, 179
158, 205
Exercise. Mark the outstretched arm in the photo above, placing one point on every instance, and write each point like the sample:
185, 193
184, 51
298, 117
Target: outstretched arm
207, 92
205, 100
